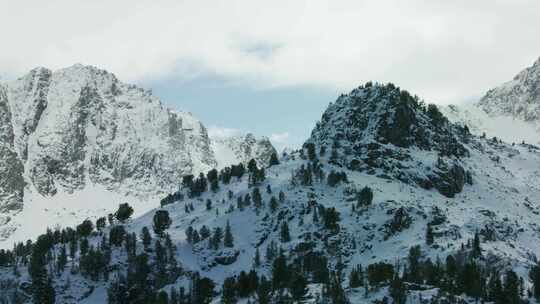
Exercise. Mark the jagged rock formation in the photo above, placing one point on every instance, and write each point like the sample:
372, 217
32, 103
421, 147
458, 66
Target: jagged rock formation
384, 130
81, 125
519, 98
11, 168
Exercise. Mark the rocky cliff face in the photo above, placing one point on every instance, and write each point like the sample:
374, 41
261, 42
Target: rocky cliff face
385, 131
519, 98
63, 130
11, 168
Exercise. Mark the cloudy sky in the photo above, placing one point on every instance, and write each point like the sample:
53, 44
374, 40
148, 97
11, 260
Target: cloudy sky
271, 67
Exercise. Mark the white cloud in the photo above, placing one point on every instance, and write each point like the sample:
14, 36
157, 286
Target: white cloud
442, 50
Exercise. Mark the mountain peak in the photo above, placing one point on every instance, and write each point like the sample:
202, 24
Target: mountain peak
386, 114
384, 130
518, 98
81, 126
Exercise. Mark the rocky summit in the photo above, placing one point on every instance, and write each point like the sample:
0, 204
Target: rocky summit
383, 130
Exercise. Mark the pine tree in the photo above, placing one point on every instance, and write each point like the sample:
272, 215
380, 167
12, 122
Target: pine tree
252, 166
331, 218
73, 246
263, 291
279, 272
334, 291
124, 212
257, 258
414, 274
162, 222
85, 228
476, 250
203, 290
429, 235
257, 198
204, 232
83, 246
511, 288
365, 197
228, 293
315, 218
228, 240
161, 264
298, 286
273, 204
398, 290
174, 298
215, 240
212, 177
273, 160
495, 289
146, 237
117, 235
534, 274
284, 234
271, 251
196, 237
312, 155
117, 293
471, 280
356, 277
162, 298
42, 289
62, 259
101, 223
189, 234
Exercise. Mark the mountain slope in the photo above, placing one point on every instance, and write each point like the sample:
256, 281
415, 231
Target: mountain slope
81, 130
385, 131
510, 111
332, 223
519, 98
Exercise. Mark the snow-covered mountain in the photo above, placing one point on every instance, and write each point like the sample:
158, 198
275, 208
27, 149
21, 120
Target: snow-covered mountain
427, 208
510, 111
81, 130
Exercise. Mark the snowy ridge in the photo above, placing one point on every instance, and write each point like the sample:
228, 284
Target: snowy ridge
507, 128
519, 97
498, 201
